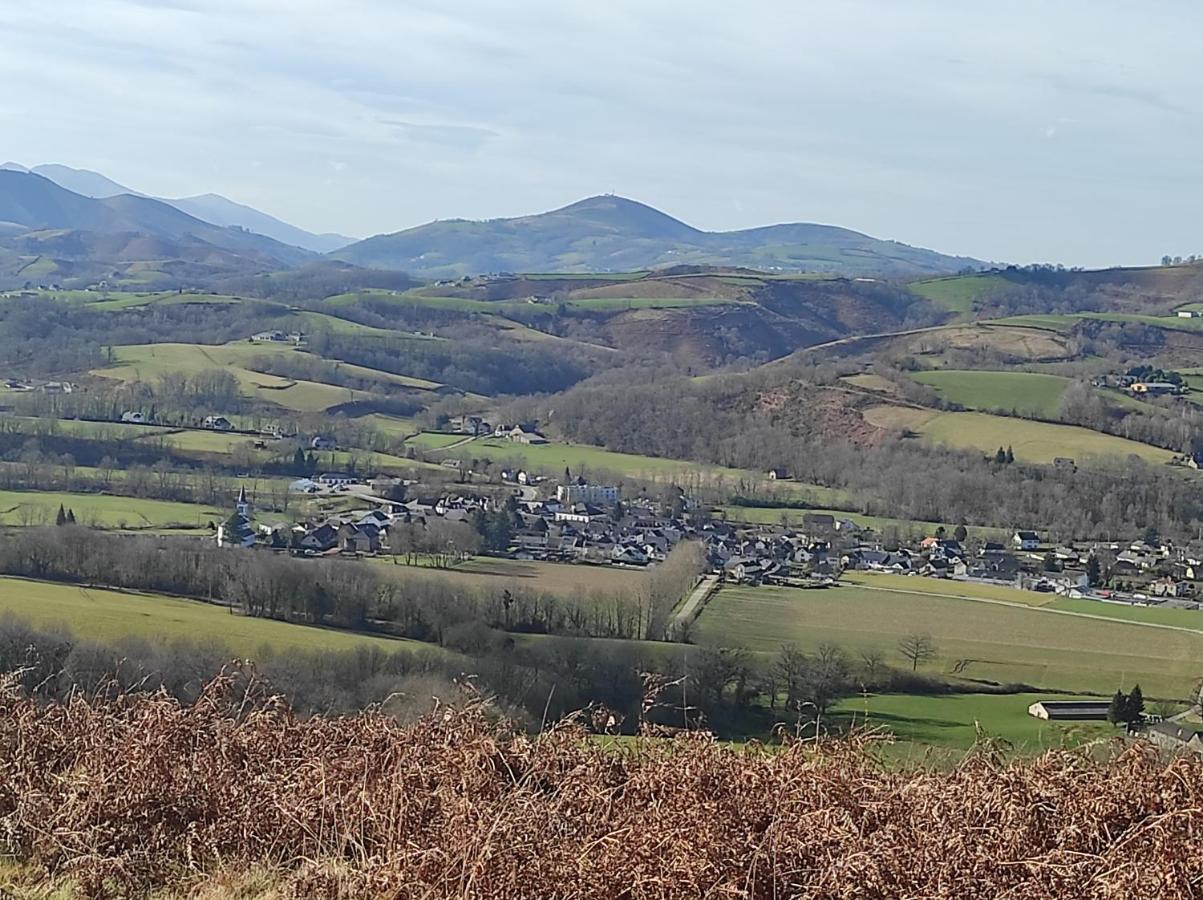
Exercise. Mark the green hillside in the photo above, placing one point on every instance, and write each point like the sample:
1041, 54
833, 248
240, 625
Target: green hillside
1027, 393
615, 234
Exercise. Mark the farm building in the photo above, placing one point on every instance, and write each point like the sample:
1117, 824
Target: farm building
1174, 736
1063, 710
336, 479
1155, 387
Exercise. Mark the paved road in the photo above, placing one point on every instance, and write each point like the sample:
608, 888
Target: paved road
693, 603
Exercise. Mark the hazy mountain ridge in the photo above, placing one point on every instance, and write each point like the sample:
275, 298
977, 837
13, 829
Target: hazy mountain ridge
69, 235
609, 233
212, 208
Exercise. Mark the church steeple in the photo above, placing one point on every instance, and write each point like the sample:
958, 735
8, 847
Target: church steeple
243, 506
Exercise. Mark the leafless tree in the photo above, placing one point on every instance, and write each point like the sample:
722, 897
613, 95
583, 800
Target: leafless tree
916, 649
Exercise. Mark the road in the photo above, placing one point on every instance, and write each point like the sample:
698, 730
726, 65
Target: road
697, 598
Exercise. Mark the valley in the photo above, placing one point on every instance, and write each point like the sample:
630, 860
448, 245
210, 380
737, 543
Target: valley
534, 469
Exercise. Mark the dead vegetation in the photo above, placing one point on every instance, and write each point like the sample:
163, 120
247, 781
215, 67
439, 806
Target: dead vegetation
132, 793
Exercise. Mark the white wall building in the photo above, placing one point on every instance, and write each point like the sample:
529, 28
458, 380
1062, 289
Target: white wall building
595, 494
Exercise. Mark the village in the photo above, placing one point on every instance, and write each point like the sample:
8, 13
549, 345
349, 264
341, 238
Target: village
574, 521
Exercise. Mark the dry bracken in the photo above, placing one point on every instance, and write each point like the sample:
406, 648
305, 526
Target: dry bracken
126, 793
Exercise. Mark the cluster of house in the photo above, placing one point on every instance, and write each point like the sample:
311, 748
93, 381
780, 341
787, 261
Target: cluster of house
295, 338
359, 531
475, 426
1145, 384
46, 387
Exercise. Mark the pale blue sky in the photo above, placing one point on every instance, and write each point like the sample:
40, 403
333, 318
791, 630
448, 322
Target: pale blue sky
1021, 131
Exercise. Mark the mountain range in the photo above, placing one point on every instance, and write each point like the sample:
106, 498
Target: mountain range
73, 223
610, 233
211, 208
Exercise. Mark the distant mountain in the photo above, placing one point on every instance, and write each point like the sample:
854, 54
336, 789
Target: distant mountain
220, 211
615, 234
212, 208
83, 181
73, 233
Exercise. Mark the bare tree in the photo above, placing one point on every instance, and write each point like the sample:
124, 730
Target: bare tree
917, 648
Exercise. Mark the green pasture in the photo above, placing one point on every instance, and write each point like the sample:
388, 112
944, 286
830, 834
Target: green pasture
106, 615
1027, 393
103, 510
1035, 442
992, 641
957, 721
957, 293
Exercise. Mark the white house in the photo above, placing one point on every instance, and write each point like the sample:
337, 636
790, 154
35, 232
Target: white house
1026, 540
133, 418
336, 479
579, 491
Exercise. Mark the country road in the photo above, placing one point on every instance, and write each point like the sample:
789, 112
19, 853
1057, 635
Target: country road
693, 603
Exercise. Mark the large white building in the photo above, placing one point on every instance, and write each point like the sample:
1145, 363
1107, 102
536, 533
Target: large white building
579, 491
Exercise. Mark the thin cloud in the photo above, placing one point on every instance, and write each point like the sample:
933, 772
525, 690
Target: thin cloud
970, 128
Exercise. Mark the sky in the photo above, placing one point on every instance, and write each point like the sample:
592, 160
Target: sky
1021, 132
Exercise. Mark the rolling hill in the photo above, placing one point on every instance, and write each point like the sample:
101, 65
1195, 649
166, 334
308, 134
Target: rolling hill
611, 233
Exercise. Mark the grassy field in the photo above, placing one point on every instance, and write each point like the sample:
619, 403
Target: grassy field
562, 579
1028, 393
112, 615
617, 304
1064, 322
1043, 321
947, 588
103, 510
769, 515
978, 640
582, 458
1036, 442
871, 382
953, 721
434, 440
147, 362
957, 293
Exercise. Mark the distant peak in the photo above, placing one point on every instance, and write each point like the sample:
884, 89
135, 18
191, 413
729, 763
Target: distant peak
14, 167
